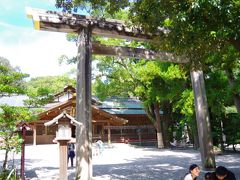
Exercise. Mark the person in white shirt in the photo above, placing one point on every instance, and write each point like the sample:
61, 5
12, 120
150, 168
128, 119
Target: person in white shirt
174, 143
193, 173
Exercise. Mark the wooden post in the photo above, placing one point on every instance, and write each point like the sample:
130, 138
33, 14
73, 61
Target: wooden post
34, 134
109, 133
83, 107
23, 153
63, 159
139, 136
203, 121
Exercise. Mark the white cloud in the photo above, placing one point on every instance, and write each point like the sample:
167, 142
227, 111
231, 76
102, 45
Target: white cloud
37, 52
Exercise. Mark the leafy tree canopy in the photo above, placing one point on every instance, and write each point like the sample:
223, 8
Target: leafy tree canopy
11, 79
193, 28
9, 119
41, 89
11, 82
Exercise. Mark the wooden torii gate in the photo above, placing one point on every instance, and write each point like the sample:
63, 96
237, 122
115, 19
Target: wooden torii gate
87, 26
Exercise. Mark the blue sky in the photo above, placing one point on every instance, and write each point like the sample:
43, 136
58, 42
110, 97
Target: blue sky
35, 52
13, 11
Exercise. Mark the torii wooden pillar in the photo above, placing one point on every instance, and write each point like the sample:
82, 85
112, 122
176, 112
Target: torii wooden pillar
83, 106
203, 120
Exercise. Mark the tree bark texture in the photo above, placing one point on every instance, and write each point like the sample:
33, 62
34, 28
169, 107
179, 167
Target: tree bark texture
5, 161
235, 43
196, 140
203, 121
159, 126
83, 107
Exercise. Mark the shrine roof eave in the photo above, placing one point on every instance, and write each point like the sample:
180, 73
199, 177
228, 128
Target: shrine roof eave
71, 102
114, 118
66, 22
64, 114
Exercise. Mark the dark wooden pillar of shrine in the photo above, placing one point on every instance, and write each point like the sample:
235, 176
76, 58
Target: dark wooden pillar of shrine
23, 152
203, 121
109, 133
83, 107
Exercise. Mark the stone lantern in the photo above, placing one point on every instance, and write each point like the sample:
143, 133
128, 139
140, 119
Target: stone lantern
63, 136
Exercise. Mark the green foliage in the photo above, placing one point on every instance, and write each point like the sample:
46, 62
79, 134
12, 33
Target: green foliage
9, 118
218, 92
103, 89
161, 81
11, 79
92, 6
115, 77
11, 82
179, 132
49, 84
230, 109
222, 78
186, 103
41, 89
6, 174
193, 28
231, 128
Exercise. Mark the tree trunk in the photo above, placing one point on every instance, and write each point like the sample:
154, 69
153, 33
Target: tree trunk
166, 122
158, 126
166, 138
234, 149
194, 135
232, 82
5, 160
150, 113
235, 43
195, 139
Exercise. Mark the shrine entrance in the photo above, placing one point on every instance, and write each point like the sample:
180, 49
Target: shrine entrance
86, 27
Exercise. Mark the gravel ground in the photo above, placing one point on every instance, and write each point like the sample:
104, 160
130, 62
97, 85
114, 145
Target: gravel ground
122, 161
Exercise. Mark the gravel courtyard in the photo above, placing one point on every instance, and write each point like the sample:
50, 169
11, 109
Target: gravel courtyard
123, 161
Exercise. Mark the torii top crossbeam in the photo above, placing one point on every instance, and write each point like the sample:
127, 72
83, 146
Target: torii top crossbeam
65, 22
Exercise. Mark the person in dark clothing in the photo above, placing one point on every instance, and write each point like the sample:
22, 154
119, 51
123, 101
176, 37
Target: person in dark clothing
223, 173
208, 176
71, 153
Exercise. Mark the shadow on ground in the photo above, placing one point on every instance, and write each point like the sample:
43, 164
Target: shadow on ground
151, 167
164, 167
155, 164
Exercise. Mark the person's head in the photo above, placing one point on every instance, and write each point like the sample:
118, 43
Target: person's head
194, 170
221, 172
208, 176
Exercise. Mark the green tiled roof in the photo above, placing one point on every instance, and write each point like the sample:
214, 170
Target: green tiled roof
122, 106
